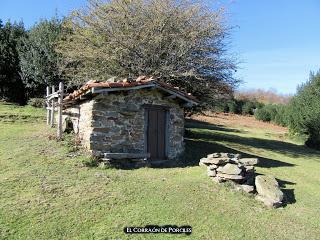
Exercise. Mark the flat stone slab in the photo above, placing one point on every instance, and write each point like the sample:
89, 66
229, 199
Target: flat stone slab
216, 161
230, 176
248, 161
229, 168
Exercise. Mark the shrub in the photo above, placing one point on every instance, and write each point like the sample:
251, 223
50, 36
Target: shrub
268, 113
37, 102
248, 106
233, 107
263, 114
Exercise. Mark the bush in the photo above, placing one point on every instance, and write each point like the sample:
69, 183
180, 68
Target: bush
37, 102
281, 118
268, 113
233, 107
263, 114
248, 108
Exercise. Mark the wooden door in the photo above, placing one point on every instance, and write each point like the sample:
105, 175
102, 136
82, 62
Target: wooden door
156, 133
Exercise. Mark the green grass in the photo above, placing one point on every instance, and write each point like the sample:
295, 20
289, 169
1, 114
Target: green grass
48, 193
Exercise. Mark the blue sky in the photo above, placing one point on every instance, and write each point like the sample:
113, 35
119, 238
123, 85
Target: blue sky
277, 41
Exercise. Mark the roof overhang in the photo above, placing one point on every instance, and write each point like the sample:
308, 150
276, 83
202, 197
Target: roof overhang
93, 89
154, 85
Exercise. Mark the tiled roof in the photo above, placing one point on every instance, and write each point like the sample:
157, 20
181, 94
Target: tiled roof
122, 85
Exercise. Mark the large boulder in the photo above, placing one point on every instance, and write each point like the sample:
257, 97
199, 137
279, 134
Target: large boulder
268, 191
230, 169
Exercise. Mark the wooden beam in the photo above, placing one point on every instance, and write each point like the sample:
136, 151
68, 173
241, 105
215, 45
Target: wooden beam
47, 105
177, 94
101, 90
60, 99
126, 155
173, 96
52, 96
52, 109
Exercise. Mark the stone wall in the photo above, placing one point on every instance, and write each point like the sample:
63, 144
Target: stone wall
81, 117
116, 122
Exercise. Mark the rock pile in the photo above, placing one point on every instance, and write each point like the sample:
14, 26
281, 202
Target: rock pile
231, 167
223, 167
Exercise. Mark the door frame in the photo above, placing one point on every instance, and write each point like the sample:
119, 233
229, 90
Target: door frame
146, 107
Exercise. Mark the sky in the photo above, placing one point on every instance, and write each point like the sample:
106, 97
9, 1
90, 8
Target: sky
275, 41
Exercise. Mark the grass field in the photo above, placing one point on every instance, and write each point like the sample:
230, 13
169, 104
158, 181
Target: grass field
49, 192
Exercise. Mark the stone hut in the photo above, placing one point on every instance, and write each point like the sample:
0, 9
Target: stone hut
143, 118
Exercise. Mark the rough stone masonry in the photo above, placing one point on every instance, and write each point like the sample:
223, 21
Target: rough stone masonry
116, 122
223, 167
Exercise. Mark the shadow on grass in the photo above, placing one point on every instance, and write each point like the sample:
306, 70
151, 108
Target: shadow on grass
198, 124
197, 148
203, 132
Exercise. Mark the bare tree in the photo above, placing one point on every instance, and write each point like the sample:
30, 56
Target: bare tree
180, 41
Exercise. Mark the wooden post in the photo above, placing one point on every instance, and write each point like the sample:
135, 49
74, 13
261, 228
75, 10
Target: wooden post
48, 105
52, 108
60, 100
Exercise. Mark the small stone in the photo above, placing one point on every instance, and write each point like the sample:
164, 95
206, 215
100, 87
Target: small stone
201, 162
234, 160
231, 169
212, 167
247, 188
211, 173
237, 155
225, 155
248, 161
214, 155
249, 169
217, 179
230, 176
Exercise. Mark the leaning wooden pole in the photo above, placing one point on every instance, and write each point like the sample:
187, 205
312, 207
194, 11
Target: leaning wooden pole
60, 100
52, 108
48, 105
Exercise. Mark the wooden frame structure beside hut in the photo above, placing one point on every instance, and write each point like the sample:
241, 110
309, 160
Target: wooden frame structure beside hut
140, 119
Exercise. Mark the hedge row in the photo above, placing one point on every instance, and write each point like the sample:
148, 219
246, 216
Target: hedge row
245, 107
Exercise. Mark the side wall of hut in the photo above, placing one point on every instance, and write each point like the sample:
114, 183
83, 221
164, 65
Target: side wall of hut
81, 117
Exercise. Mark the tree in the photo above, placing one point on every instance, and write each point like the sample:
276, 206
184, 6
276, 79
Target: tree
11, 86
179, 41
39, 60
304, 111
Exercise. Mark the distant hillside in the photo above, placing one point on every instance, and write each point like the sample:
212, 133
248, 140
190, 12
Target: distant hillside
263, 96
